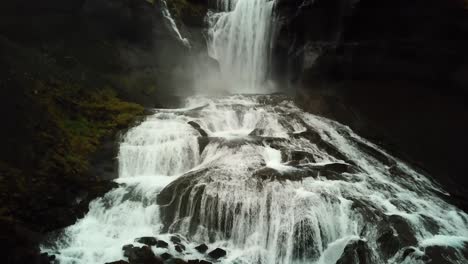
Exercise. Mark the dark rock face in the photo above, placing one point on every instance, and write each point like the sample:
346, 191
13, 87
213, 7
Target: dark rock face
202, 248
149, 241
395, 233
162, 244
357, 252
118, 262
217, 253
389, 69
143, 255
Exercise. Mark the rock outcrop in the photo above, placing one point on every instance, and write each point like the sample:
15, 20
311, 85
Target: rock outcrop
395, 71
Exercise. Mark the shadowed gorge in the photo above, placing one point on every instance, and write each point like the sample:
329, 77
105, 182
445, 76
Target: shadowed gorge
234, 131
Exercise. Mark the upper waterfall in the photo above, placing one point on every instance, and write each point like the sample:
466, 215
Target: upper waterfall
239, 37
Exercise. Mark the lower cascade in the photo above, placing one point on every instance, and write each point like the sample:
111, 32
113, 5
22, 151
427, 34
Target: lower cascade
255, 180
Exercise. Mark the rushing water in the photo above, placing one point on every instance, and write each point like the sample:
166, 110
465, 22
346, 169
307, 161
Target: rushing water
272, 185
240, 39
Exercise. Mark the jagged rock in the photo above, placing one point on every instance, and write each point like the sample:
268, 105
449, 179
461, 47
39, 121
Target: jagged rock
197, 127
118, 262
162, 244
217, 253
198, 261
127, 249
356, 252
183, 191
179, 248
45, 258
299, 156
150, 241
175, 261
166, 256
143, 255
176, 239
445, 254
202, 248
257, 132
267, 174
394, 234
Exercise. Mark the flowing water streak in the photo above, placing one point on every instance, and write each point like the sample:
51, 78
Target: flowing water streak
285, 220
172, 24
240, 39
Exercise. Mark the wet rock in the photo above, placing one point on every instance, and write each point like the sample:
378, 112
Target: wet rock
176, 240
299, 156
179, 248
150, 241
217, 253
118, 262
198, 261
162, 244
175, 198
175, 261
257, 132
445, 255
197, 127
356, 252
143, 255
45, 258
267, 174
314, 137
394, 233
127, 249
166, 256
202, 248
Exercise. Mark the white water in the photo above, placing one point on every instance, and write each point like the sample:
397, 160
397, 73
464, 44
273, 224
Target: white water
240, 39
256, 221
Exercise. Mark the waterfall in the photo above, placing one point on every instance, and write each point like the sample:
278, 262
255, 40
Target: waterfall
269, 183
240, 39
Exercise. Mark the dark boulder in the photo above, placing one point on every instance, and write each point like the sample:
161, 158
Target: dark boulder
301, 156
118, 262
202, 248
179, 248
176, 240
445, 255
162, 244
150, 241
198, 261
175, 261
394, 233
143, 255
217, 253
197, 127
127, 249
166, 256
356, 252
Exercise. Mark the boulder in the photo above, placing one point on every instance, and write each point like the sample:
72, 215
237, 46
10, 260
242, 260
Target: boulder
394, 233
202, 248
175, 261
150, 241
197, 127
217, 253
127, 249
356, 252
445, 254
179, 248
162, 244
166, 256
176, 239
143, 255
